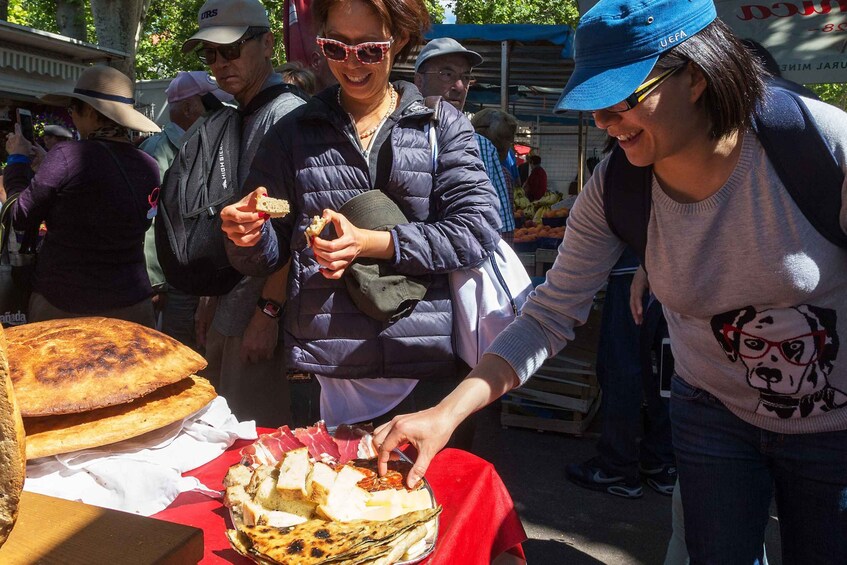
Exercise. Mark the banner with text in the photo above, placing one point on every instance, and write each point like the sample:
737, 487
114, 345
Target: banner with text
808, 38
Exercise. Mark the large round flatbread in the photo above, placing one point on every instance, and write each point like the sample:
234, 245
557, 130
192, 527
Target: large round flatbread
12, 450
82, 364
52, 435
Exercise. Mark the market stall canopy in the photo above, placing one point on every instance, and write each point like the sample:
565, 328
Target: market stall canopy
806, 37
33, 62
533, 62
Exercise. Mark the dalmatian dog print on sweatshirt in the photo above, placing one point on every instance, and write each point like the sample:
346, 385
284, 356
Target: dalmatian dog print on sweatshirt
787, 354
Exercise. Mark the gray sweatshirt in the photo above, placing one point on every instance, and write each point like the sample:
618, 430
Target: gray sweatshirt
751, 291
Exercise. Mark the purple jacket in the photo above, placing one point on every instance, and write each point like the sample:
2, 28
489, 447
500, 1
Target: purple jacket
92, 258
453, 219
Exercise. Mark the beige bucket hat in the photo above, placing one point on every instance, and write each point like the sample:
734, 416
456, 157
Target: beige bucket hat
108, 91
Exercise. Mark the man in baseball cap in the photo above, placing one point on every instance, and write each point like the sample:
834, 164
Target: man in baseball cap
443, 68
240, 337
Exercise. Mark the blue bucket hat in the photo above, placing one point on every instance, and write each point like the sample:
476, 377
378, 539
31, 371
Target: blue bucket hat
618, 42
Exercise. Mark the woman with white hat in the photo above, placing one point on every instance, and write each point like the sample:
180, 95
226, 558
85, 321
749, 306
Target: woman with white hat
96, 198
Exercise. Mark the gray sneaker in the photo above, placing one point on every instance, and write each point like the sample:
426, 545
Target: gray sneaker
662, 479
592, 475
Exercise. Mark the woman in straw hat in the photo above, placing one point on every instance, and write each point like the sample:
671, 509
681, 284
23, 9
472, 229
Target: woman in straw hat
96, 197
753, 292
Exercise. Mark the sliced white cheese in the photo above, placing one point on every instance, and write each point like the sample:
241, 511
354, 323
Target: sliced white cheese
293, 470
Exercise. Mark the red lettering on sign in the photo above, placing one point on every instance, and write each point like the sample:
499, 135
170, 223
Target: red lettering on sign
789, 9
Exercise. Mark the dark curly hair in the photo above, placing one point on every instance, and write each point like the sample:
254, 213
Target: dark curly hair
404, 18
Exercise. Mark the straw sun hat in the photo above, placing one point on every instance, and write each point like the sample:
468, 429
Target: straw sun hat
108, 91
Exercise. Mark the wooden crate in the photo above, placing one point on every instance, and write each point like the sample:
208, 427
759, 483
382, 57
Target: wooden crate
563, 395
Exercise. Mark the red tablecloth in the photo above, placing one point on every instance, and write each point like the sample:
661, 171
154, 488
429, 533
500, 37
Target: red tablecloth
477, 524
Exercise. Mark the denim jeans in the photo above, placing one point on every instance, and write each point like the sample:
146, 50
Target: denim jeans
625, 382
728, 472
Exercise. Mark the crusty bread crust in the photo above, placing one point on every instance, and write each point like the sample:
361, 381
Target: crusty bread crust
51, 435
82, 364
12, 449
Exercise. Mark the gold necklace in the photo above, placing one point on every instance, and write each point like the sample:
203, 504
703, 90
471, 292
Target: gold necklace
391, 108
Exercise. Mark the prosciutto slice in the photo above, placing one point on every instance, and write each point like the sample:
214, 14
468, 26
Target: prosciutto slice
353, 443
349, 443
320, 443
269, 448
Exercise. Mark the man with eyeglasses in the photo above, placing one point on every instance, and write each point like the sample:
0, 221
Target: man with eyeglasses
240, 329
443, 68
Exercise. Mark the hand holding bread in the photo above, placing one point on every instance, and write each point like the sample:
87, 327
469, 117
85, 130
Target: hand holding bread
242, 222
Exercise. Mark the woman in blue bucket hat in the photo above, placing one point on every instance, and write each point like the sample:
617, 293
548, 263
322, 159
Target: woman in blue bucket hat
752, 290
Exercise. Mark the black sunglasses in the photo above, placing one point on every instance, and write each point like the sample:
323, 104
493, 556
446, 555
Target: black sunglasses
230, 51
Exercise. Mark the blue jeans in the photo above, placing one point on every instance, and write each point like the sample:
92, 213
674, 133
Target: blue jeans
728, 472
625, 382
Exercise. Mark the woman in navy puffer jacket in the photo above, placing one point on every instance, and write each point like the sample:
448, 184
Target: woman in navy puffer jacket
367, 135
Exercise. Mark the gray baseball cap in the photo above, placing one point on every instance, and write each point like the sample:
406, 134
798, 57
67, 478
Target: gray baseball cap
225, 21
446, 46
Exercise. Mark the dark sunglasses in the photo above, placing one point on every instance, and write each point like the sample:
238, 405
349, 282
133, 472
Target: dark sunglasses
644, 91
368, 53
230, 51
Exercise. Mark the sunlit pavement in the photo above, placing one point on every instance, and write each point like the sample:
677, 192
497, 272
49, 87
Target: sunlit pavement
567, 524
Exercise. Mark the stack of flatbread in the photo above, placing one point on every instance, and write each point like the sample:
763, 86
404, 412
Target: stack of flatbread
88, 382
341, 543
12, 451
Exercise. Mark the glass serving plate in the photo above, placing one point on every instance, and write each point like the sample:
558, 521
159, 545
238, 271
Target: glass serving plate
424, 548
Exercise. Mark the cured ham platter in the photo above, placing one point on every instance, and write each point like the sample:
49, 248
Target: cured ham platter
308, 496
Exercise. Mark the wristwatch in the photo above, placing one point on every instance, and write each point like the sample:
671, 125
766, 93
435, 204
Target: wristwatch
269, 307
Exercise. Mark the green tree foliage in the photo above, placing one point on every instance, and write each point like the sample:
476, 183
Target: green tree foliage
169, 24
436, 11
835, 94
41, 14
516, 12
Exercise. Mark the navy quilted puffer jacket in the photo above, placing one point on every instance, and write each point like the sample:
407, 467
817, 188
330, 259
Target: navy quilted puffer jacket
312, 158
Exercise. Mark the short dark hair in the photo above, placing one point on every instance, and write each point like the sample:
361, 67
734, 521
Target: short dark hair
404, 18
734, 77
534, 159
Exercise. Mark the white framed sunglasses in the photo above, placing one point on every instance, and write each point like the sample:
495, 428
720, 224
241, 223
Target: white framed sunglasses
368, 53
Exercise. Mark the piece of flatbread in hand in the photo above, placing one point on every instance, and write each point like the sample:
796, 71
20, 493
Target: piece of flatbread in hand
81, 364
318, 541
52, 435
314, 229
273, 207
12, 450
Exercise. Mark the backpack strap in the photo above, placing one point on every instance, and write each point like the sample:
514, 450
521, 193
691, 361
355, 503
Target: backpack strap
434, 104
800, 156
627, 199
803, 160
269, 94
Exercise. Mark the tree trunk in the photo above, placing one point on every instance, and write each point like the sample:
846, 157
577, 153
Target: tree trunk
118, 24
70, 17
4, 10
